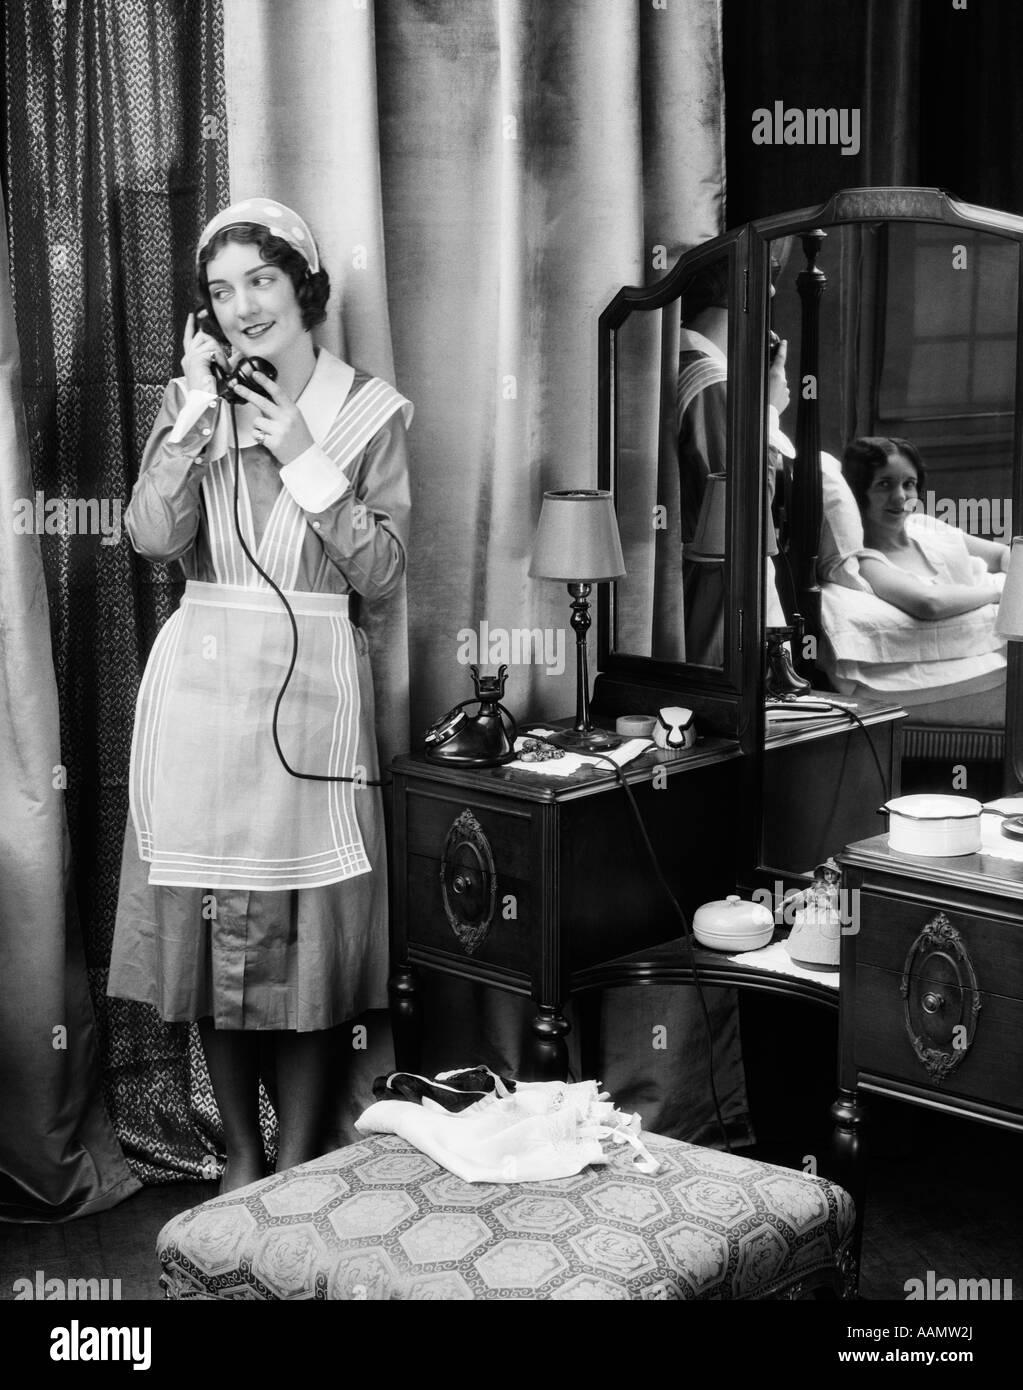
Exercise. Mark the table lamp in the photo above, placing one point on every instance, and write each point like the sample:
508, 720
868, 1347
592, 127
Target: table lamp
577, 542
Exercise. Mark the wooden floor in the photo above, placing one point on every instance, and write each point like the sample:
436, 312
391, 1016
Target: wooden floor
944, 1195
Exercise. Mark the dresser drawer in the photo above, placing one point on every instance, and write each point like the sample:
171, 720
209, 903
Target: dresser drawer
988, 1068
468, 878
890, 927
509, 829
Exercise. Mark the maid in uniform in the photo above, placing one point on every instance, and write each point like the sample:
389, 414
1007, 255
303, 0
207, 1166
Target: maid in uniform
252, 900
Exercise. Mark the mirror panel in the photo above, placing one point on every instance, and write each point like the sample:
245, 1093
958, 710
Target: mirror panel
918, 328
671, 434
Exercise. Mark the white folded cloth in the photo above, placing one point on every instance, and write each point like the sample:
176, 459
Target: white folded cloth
546, 1129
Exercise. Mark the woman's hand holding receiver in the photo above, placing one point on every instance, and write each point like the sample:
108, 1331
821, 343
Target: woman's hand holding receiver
280, 426
777, 383
201, 351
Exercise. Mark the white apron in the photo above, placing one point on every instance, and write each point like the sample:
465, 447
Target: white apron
212, 805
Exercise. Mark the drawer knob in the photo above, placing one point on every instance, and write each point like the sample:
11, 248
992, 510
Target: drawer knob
932, 1003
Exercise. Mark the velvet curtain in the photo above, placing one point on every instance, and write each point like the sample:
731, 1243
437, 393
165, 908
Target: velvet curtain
937, 90
861, 54
58, 1153
112, 158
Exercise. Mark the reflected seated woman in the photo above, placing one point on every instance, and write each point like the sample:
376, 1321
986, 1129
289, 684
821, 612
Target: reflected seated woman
926, 568
908, 603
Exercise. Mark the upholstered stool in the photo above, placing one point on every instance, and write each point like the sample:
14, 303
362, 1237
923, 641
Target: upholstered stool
380, 1220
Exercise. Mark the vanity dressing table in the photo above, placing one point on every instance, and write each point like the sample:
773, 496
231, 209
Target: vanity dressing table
542, 887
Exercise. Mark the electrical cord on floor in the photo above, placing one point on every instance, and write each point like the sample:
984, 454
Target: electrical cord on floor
304, 776
687, 930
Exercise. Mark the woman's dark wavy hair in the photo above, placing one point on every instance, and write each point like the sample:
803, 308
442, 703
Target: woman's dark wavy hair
863, 457
312, 289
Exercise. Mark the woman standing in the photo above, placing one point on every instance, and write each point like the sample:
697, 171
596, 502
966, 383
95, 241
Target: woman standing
264, 916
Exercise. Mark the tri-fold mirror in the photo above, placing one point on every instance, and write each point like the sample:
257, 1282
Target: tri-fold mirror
731, 390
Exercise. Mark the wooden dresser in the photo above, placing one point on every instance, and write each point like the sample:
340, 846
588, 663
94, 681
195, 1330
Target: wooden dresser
526, 882
931, 986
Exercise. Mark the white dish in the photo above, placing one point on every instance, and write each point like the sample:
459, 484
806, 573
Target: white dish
934, 826
730, 924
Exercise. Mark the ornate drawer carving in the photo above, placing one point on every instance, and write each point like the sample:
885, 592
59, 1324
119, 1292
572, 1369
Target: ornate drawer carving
469, 892
940, 998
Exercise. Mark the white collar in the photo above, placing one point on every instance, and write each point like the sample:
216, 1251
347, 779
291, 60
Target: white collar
691, 341
324, 393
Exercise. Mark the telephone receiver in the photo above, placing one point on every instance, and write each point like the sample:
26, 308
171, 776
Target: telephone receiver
483, 739
242, 372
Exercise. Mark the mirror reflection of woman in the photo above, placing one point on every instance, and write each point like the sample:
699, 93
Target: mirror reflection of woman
702, 425
921, 566
252, 901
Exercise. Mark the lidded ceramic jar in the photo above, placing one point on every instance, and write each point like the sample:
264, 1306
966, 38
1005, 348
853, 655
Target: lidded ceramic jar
730, 924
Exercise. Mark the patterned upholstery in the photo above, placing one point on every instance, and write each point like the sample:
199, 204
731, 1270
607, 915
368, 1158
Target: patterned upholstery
380, 1220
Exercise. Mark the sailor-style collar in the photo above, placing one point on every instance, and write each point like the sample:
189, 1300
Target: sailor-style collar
691, 341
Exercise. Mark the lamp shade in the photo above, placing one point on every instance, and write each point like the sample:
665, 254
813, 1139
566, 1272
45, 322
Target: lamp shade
1009, 622
708, 545
577, 539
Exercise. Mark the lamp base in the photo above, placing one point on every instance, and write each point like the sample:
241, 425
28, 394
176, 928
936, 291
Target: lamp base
585, 740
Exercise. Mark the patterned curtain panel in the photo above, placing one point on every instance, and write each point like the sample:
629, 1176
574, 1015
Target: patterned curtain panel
113, 159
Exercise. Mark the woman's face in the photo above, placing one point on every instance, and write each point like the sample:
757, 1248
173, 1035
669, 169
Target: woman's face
255, 303
892, 495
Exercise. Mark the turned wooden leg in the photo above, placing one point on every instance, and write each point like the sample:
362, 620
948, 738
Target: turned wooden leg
406, 1018
847, 1149
549, 1053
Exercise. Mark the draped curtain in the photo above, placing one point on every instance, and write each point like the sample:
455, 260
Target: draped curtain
58, 1153
113, 158
939, 99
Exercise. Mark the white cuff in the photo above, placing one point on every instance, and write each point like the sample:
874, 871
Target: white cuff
314, 480
776, 438
196, 405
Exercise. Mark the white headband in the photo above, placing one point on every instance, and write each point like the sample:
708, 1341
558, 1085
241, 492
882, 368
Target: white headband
264, 212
